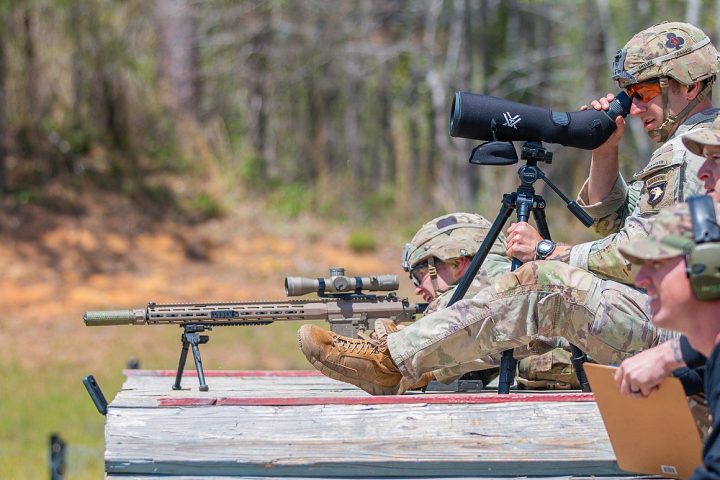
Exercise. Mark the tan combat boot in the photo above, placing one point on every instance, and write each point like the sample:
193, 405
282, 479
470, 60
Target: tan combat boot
384, 327
421, 384
363, 363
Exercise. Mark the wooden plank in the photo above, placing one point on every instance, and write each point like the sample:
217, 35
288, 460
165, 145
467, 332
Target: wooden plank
340, 438
384, 400
305, 425
235, 477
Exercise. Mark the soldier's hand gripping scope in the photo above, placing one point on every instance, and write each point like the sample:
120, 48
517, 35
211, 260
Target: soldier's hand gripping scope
482, 117
338, 283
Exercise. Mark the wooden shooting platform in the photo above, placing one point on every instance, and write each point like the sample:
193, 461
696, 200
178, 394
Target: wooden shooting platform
300, 424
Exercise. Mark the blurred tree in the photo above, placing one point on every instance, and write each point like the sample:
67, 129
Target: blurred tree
335, 100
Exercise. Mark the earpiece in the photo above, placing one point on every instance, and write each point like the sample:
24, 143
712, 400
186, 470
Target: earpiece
703, 261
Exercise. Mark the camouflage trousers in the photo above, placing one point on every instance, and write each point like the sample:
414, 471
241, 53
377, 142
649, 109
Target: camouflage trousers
607, 320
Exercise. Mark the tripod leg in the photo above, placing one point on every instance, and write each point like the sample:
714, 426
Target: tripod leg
181, 363
506, 209
578, 357
540, 219
525, 204
507, 372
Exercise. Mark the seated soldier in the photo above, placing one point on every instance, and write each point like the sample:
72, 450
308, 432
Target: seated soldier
681, 273
647, 369
589, 300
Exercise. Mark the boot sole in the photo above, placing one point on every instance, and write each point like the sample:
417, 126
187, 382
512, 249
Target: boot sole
369, 387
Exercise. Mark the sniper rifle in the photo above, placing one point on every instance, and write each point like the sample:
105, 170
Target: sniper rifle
341, 301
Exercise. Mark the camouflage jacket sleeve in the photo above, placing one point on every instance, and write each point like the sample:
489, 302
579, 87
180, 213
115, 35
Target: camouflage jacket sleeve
610, 213
670, 177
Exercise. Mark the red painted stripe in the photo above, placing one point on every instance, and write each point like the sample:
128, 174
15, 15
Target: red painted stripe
459, 398
224, 373
187, 402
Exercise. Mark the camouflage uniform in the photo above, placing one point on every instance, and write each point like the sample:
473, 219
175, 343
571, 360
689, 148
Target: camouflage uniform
448, 237
670, 177
587, 301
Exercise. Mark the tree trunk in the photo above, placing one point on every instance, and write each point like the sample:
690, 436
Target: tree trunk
3, 124
179, 60
443, 188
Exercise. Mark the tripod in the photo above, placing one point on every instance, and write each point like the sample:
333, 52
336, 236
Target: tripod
524, 201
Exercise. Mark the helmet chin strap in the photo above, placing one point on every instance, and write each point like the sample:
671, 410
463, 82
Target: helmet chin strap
432, 271
662, 133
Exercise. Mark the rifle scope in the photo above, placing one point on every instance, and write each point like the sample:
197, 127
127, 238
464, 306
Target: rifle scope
339, 283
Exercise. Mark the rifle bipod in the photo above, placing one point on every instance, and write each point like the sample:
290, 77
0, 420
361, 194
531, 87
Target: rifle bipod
189, 338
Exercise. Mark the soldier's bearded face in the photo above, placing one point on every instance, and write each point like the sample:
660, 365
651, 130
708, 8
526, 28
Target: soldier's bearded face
669, 292
709, 172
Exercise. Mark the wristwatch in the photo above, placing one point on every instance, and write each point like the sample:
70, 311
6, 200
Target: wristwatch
544, 248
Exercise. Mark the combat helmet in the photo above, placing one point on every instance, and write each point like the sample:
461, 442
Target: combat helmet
447, 237
667, 50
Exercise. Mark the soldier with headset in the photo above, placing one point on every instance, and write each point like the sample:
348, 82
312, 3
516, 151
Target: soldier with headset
640, 374
680, 261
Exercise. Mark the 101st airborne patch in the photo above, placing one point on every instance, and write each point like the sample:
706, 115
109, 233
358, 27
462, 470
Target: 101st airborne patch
656, 187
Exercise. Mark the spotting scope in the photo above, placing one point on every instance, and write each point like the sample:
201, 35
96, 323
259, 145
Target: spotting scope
482, 117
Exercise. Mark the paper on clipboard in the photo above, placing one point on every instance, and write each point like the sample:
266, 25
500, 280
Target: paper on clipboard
654, 435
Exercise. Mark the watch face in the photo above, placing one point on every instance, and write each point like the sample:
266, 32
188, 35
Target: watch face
545, 247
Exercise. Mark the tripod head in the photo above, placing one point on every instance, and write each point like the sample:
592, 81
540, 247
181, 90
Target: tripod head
503, 153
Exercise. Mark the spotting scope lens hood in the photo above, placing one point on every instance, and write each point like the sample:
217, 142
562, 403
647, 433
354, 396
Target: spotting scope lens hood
482, 117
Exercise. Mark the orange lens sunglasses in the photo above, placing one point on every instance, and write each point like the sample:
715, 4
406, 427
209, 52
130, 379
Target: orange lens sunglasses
645, 91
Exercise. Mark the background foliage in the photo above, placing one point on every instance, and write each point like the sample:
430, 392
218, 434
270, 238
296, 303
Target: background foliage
177, 148
316, 103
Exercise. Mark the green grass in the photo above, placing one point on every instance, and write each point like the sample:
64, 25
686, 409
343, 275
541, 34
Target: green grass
39, 402
362, 240
36, 402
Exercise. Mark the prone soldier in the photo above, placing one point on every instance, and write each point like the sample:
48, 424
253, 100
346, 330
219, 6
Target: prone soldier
436, 258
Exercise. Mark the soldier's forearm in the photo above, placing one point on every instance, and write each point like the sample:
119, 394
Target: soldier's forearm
604, 170
561, 253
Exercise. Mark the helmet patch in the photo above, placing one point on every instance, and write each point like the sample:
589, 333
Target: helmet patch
446, 221
674, 42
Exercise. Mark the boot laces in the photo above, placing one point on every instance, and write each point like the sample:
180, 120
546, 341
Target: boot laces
365, 346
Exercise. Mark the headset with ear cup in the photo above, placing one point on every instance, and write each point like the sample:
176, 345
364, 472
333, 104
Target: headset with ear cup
703, 260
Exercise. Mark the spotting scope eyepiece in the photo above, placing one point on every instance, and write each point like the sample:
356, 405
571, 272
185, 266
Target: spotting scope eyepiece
482, 117
339, 283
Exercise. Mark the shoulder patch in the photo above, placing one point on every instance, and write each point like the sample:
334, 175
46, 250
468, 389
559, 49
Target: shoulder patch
656, 187
661, 158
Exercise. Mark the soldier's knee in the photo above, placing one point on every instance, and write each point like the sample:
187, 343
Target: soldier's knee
554, 273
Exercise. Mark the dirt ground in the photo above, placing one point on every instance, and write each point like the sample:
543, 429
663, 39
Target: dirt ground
109, 255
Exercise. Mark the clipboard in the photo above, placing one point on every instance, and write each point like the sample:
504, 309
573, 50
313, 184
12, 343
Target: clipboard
656, 435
